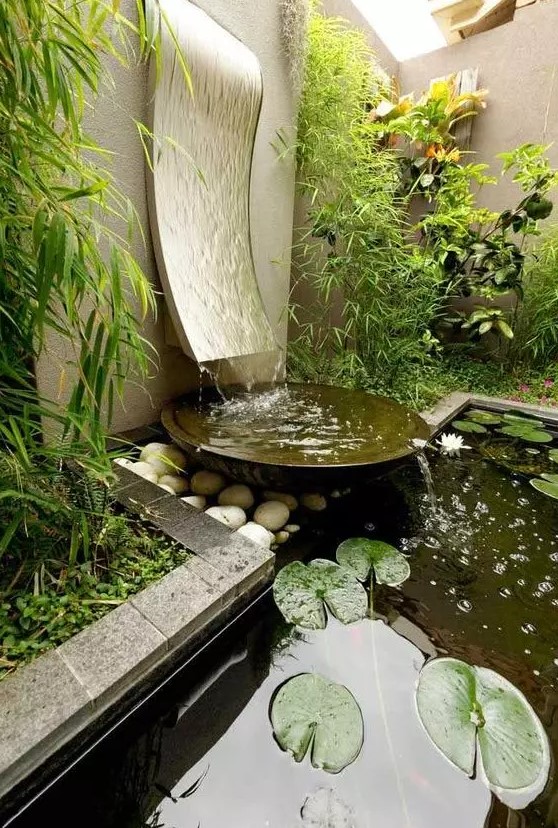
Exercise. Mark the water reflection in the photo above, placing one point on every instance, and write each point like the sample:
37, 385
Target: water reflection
398, 779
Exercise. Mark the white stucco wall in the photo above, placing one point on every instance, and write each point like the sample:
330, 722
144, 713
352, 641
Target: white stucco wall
111, 123
347, 10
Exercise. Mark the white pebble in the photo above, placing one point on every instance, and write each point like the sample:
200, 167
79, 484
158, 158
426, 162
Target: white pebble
272, 515
152, 448
257, 534
144, 470
232, 516
237, 495
158, 465
314, 501
179, 485
207, 483
291, 528
197, 501
166, 488
166, 459
124, 461
282, 537
289, 500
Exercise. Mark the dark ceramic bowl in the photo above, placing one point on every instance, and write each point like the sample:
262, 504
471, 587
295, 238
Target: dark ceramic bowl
294, 435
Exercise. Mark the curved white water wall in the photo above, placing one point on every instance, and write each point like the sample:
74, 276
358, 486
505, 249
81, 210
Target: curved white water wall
200, 187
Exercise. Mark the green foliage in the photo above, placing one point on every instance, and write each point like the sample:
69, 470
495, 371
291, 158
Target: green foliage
41, 611
312, 715
302, 592
473, 714
67, 272
372, 303
537, 320
380, 561
375, 295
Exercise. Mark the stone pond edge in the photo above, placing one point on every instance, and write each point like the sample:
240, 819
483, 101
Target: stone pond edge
65, 692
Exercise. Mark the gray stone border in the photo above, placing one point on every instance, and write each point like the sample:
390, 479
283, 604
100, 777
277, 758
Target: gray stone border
449, 407
71, 690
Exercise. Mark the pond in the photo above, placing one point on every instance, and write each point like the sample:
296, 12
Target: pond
483, 588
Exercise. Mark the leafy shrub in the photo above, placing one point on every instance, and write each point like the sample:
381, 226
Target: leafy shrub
537, 319
372, 297
65, 272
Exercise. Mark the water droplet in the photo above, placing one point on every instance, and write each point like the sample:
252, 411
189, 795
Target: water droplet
464, 605
522, 501
432, 582
528, 628
505, 592
546, 586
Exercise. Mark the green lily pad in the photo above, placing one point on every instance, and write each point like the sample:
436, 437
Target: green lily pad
552, 478
545, 487
469, 426
324, 809
469, 711
553, 455
362, 556
483, 417
300, 593
312, 715
526, 433
523, 419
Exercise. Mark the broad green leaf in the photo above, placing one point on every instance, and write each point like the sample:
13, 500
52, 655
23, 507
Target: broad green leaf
324, 809
553, 455
463, 707
523, 419
536, 436
552, 478
361, 555
545, 487
511, 741
469, 426
526, 433
312, 715
505, 329
300, 593
445, 699
483, 417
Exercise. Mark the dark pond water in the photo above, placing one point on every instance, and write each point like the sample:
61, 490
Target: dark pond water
484, 588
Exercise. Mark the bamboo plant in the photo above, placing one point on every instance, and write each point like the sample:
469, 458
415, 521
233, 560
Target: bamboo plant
66, 266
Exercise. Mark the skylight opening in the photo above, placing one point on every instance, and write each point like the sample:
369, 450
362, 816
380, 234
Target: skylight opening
406, 27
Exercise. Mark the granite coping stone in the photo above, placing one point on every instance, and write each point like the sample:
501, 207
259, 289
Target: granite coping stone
108, 656
180, 604
41, 706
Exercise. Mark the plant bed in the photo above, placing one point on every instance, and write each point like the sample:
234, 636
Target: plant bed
133, 556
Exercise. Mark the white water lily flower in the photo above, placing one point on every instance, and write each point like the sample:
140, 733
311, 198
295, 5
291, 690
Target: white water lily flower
451, 444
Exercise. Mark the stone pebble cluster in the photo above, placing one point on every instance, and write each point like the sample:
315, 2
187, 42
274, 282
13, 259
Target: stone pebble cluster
165, 464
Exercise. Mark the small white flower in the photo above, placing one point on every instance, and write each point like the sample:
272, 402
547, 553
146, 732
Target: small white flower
451, 444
